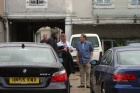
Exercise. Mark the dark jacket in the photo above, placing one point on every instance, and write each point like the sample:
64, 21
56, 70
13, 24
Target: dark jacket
68, 62
52, 41
43, 41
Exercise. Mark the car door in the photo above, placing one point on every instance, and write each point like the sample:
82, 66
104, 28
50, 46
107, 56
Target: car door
105, 70
99, 71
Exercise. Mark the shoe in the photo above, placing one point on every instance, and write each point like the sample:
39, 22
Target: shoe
70, 85
88, 86
81, 86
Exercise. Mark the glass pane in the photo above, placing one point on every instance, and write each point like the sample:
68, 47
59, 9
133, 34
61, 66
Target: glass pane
129, 57
99, 1
41, 1
27, 54
93, 40
134, 2
107, 1
33, 1
138, 1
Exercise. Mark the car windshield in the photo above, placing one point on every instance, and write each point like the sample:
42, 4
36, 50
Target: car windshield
129, 57
93, 40
27, 54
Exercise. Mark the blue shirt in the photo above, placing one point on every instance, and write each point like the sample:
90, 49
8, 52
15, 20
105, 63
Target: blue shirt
84, 51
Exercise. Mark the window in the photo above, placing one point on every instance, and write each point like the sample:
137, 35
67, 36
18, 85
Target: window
27, 54
104, 60
103, 4
93, 40
103, 1
37, 3
131, 57
135, 2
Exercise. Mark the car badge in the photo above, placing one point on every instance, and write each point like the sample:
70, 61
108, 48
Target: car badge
24, 71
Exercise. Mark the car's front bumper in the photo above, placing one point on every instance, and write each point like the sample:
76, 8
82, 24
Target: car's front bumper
52, 88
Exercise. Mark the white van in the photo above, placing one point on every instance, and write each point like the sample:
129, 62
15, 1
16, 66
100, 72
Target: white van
94, 39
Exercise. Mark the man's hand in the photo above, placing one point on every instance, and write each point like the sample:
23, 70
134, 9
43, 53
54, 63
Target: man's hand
71, 50
77, 61
65, 49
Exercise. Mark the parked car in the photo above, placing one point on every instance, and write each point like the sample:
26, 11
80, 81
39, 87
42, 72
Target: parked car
94, 39
118, 71
31, 68
133, 44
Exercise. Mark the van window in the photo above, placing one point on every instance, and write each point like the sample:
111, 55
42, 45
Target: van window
93, 40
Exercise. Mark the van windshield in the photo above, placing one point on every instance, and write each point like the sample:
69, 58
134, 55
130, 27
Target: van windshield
93, 40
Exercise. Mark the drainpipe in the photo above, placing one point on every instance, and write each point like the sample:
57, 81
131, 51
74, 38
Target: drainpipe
4, 25
7, 31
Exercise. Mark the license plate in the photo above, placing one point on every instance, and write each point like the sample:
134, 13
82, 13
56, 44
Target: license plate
24, 80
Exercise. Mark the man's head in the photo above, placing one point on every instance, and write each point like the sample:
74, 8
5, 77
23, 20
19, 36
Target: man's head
55, 34
63, 37
83, 38
45, 36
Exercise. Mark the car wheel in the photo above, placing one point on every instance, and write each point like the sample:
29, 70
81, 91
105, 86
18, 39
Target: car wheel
103, 90
68, 87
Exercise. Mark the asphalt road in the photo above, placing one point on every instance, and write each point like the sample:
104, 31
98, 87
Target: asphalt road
75, 81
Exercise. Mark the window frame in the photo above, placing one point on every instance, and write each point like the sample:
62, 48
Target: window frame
130, 5
36, 4
103, 5
105, 57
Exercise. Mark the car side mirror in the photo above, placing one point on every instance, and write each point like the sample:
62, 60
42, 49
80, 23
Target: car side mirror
93, 62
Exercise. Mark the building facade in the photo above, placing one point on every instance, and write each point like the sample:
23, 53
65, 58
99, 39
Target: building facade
114, 21
26, 17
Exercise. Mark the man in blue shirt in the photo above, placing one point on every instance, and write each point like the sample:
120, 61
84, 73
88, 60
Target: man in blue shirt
84, 56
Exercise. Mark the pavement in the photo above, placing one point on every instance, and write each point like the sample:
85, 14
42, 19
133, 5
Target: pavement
75, 81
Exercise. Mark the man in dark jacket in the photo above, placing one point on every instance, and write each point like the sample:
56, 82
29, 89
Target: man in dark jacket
44, 40
52, 41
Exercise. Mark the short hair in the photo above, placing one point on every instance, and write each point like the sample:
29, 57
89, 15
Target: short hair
62, 35
54, 33
44, 35
84, 36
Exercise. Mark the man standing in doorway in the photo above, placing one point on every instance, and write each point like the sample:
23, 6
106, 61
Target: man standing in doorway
44, 40
84, 56
52, 41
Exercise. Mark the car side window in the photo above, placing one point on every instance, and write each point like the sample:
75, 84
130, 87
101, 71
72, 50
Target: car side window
109, 58
103, 60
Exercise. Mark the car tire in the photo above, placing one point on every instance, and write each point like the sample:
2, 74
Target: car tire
68, 87
103, 90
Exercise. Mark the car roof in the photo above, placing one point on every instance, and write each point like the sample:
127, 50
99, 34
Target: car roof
123, 48
31, 44
88, 34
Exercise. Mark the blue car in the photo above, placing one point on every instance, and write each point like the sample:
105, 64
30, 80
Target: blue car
118, 71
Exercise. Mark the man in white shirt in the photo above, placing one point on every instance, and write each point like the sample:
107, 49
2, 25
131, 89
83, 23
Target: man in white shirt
64, 53
64, 43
